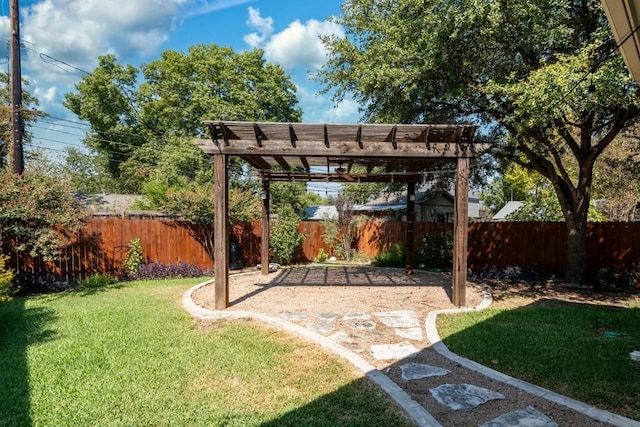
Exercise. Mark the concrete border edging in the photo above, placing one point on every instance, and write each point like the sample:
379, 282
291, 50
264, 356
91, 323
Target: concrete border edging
576, 405
414, 411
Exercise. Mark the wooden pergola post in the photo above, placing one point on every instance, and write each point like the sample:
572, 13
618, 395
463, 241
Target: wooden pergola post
411, 216
264, 250
221, 231
460, 229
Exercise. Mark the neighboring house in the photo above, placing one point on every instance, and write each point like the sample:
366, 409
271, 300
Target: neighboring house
320, 212
430, 207
507, 209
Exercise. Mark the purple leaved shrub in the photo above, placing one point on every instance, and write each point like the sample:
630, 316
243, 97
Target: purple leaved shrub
158, 270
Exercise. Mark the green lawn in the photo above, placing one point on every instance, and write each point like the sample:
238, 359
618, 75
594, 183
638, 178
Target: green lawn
130, 355
563, 346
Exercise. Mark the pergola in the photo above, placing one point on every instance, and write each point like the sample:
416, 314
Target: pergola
328, 153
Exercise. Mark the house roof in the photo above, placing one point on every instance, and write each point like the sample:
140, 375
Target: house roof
624, 18
321, 212
507, 209
107, 202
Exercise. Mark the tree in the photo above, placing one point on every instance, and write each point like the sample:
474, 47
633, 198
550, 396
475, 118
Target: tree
134, 122
288, 193
105, 98
543, 76
37, 214
346, 225
86, 172
29, 115
195, 205
616, 182
285, 238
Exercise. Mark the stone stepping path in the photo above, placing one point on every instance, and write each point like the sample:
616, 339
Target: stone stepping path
405, 324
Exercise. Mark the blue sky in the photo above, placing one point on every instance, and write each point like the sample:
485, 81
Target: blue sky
63, 37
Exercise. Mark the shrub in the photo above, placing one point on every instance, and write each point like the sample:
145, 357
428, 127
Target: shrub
285, 237
435, 249
97, 281
37, 283
392, 257
607, 280
330, 235
322, 255
157, 270
133, 259
6, 279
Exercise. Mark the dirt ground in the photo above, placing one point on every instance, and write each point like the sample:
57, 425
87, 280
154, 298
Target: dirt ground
314, 291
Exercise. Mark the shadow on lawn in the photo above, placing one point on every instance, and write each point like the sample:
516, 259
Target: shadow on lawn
20, 328
556, 344
344, 407
575, 348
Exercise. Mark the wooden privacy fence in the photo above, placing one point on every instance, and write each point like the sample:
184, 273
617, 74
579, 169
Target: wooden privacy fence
102, 245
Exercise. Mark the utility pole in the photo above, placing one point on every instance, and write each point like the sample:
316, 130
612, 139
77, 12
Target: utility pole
16, 91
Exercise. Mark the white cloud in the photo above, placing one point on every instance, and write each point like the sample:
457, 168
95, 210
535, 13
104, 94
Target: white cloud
78, 31
298, 45
319, 108
263, 25
204, 7
46, 96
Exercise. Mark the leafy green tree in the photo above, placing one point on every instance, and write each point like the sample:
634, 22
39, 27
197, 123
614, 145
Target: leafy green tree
139, 116
87, 172
37, 214
106, 99
195, 205
544, 76
29, 115
288, 193
616, 181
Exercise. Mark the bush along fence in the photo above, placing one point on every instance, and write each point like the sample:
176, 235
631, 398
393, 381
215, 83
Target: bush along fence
101, 247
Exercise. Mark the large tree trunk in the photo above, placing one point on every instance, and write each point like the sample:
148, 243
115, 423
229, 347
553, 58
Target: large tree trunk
576, 250
575, 207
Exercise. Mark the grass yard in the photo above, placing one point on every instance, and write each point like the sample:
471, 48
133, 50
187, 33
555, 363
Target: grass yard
129, 355
579, 350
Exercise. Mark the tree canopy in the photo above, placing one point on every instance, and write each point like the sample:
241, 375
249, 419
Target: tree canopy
139, 117
37, 214
544, 77
29, 115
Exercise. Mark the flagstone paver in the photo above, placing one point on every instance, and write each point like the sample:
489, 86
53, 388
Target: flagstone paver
393, 351
322, 327
361, 324
528, 417
399, 319
363, 333
356, 316
294, 316
463, 397
418, 371
414, 334
326, 316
